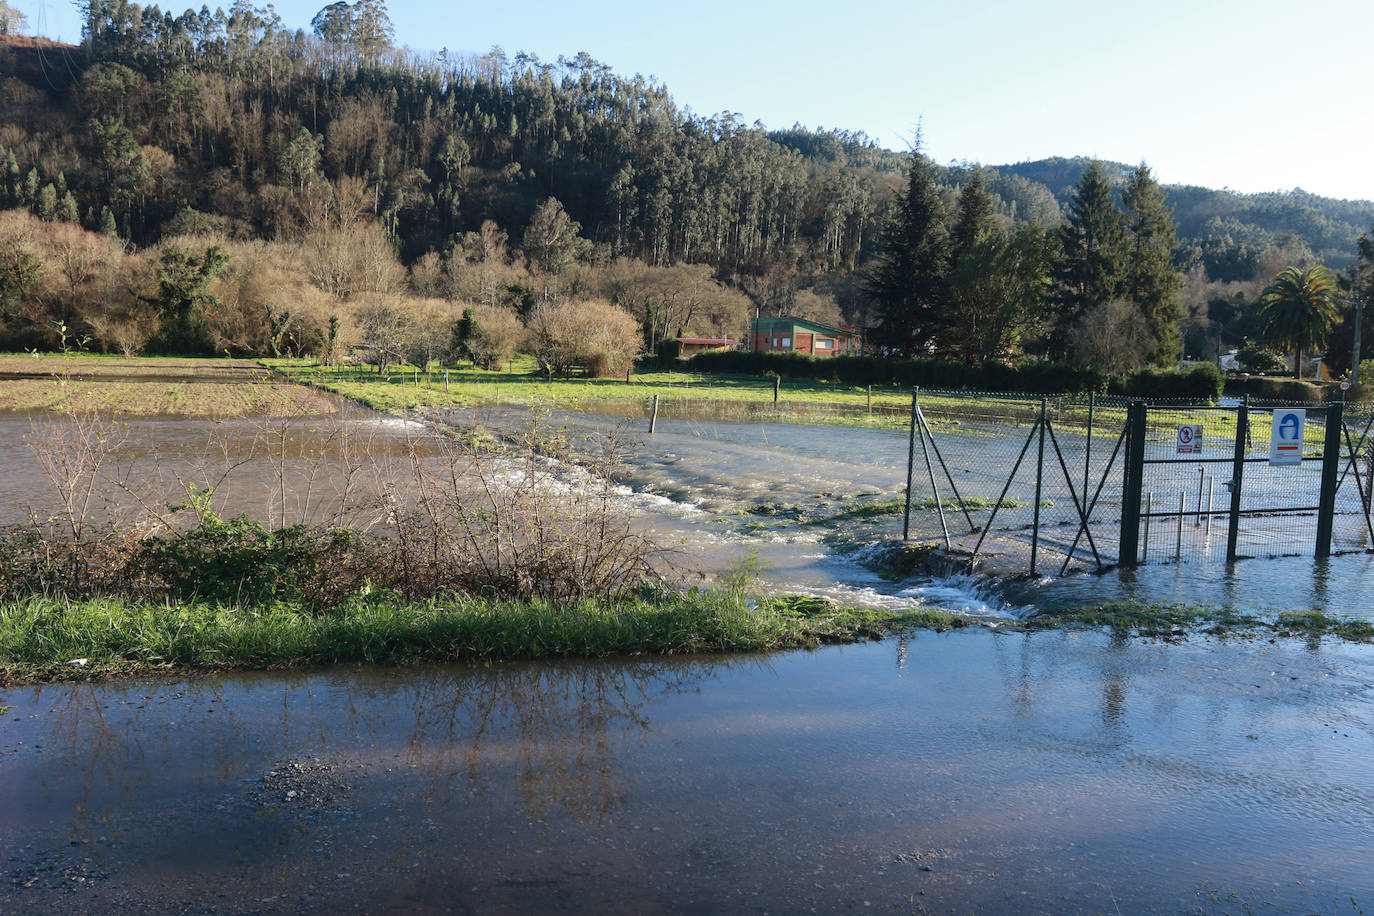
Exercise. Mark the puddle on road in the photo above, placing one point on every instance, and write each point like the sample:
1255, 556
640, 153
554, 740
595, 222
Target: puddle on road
1048, 772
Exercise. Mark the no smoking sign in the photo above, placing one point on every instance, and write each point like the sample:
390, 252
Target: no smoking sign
1189, 438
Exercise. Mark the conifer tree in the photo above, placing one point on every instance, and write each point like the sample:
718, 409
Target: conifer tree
1092, 260
908, 282
974, 217
1151, 282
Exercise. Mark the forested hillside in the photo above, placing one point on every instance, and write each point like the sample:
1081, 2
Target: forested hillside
1224, 229
500, 180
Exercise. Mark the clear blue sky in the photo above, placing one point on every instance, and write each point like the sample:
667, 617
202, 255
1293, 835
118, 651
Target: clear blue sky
1257, 95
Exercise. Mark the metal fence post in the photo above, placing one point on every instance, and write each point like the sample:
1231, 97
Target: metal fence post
1133, 480
1331, 459
1088, 442
1237, 478
1039, 478
910, 462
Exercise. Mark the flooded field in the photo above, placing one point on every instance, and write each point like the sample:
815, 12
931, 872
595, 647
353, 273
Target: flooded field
803, 505
973, 771
795, 495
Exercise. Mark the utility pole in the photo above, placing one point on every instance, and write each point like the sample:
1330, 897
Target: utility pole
1355, 350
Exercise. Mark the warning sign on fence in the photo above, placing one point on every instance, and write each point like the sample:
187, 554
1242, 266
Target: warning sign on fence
1189, 438
1285, 443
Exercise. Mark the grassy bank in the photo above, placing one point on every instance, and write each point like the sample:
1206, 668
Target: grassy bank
39, 637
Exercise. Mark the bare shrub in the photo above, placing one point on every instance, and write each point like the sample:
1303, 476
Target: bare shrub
492, 338
1112, 335
592, 334
520, 521
421, 514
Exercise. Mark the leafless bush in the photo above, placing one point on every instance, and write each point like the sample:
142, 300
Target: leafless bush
595, 335
523, 519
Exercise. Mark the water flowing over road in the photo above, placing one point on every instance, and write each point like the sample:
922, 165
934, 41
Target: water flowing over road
976, 770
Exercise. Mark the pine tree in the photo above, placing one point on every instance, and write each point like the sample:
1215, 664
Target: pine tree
1151, 282
1091, 268
46, 204
67, 210
974, 218
908, 282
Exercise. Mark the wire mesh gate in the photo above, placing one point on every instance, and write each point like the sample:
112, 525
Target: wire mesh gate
1103, 482
1033, 483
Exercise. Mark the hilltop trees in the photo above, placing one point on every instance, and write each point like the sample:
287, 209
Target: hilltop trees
508, 181
12, 21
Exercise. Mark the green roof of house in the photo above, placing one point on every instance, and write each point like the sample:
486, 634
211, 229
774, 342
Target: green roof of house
780, 325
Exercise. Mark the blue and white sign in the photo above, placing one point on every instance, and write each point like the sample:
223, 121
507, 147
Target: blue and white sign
1285, 442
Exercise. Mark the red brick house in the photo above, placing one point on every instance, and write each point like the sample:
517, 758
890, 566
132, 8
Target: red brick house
799, 335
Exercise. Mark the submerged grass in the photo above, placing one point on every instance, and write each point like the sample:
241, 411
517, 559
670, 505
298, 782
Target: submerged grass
40, 637
1175, 620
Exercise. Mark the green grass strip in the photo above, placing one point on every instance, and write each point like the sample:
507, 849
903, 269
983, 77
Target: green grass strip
39, 636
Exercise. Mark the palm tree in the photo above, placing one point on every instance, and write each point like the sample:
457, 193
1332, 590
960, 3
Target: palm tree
1297, 308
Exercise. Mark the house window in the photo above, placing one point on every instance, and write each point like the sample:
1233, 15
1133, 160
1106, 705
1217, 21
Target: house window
786, 342
824, 343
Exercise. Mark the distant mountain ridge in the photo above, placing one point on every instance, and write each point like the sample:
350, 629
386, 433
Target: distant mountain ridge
1329, 226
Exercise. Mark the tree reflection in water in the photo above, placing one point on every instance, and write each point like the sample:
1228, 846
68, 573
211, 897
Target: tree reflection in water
548, 737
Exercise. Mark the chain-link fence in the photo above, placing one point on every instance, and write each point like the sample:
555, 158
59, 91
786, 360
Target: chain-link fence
1003, 476
1045, 485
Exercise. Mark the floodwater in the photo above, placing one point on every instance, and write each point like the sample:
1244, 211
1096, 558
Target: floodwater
783, 491
717, 493
972, 771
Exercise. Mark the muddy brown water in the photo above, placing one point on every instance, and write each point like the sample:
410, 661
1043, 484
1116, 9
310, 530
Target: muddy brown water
972, 771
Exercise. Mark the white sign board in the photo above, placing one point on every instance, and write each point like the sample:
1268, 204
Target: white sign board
1285, 442
1189, 438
